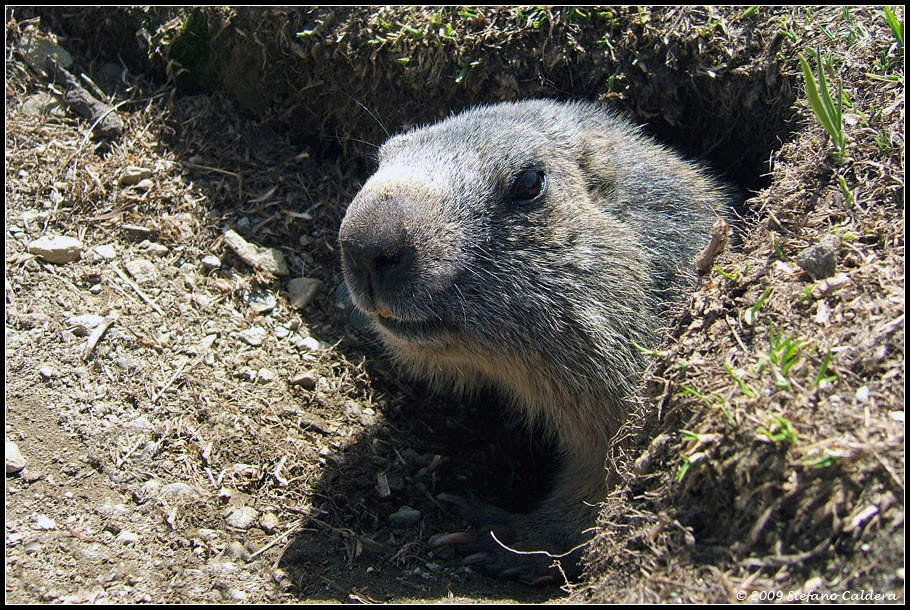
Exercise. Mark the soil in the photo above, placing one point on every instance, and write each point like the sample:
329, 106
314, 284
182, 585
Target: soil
207, 438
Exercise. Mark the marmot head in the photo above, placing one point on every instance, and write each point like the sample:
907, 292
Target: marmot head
510, 233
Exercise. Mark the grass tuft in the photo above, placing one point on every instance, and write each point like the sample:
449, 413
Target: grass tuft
829, 114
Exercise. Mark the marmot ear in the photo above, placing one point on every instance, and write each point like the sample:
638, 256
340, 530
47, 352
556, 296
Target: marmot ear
597, 160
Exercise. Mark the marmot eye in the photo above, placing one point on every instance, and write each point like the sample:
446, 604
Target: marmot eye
529, 184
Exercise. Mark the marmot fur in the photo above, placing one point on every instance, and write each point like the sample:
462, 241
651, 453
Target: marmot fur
526, 246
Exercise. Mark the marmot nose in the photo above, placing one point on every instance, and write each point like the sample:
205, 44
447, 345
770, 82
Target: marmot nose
384, 261
375, 246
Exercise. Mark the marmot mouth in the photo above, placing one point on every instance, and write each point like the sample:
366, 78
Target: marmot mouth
410, 329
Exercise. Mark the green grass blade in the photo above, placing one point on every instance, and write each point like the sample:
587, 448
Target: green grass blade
820, 108
835, 113
897, 27
812, 93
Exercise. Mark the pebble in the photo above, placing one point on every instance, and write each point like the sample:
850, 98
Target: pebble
14, 460
254, 335
43, 103
269, 259
366, 415
302, 291
404, 517
178, 490
154, 248
56, 249
127, 537
306, 380
36, 50
269, 522
235, 551
106, 251
260, 302
142, 270
82, 325
92, 552
241, 518
133, 174
48, 372
831, 285
306, 343
211, 262
246, 373
820, 260
237, 595
265, 376
45, 523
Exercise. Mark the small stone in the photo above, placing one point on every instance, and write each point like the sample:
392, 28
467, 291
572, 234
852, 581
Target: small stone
820, 260
404, 517
36, 50
177, 490
246, 373
82, 325
56, 249
106, 251
133, 174
269, 523
237, 595
269, 259
235, 551
45, 523
241, 518
306, 380
368, 417
142, 270
317, 423
210, 262
44, 103
48, 372
14, 460
831, 285
254, 335
127, 537
302, 291
260, 302
308, 343
265, 376
154, 248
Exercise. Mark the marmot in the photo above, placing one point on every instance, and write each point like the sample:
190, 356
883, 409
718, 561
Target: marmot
527, 245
